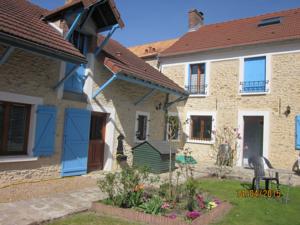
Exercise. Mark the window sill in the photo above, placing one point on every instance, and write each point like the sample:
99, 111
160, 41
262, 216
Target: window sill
19, 158
200, 142
198, 95
254, 93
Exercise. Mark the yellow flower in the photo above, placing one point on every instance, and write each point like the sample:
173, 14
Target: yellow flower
212, 205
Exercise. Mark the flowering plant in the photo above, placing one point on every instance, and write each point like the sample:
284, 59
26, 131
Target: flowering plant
192, 215
172, 216
165, 205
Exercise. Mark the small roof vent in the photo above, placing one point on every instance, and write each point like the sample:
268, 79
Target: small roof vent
269, 21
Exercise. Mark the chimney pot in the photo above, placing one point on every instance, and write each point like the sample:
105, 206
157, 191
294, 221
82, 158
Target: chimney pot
196, 19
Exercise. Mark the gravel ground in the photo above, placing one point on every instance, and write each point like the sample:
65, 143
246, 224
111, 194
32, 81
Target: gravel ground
44, 188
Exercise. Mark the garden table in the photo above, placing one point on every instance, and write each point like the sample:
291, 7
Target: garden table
286, 172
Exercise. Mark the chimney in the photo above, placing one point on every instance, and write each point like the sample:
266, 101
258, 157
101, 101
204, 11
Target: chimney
196, 19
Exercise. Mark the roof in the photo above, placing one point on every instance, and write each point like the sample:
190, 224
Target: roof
162, 147
119, 59
101, 15
152, 49
238, 33
21, 26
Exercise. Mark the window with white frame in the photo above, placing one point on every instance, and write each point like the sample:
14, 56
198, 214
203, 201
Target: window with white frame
142, 126
200, 127
197, 84
255, 75
173, 127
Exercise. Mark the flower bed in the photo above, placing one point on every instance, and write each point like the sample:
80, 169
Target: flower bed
130, 214
179, 203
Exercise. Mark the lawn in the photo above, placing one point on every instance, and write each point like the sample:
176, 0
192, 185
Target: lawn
246, 211
254, 211
89, 218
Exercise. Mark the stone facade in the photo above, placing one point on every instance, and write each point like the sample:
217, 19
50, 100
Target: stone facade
33, 75
225, 100
121, 96
29, 74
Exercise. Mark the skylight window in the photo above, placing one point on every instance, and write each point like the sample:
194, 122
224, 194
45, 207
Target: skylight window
270, 21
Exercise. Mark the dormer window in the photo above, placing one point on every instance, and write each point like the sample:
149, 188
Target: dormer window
269, 21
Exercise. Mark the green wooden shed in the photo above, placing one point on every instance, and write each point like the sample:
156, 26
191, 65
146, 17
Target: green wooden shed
155, 155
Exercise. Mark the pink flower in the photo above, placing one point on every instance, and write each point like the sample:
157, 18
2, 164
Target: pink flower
165, 206
200, 201
192, 215
172, 216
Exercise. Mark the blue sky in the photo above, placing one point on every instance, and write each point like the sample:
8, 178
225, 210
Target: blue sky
155, 20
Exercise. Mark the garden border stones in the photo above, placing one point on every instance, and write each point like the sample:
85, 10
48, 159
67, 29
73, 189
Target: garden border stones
130, 214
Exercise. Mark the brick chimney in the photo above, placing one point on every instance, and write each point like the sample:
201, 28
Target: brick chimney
196, 19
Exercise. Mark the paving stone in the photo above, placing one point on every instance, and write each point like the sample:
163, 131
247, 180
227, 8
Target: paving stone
41, 209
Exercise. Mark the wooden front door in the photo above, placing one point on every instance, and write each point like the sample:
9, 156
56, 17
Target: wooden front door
97, 141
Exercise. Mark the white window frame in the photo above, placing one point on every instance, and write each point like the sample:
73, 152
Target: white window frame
207, 77
175, 114
140, 113
213, 126
268, 74
34, 102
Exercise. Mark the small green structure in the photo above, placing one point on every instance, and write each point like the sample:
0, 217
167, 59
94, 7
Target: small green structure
182, 159
154, 155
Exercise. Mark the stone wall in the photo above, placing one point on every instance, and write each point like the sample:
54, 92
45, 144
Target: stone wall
121, 96
29, 74
224, 98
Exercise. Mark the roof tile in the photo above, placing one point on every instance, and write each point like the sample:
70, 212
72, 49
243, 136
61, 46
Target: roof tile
22, 19
120, 59
237, 33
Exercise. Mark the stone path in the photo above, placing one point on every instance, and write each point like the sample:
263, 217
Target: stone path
41, 209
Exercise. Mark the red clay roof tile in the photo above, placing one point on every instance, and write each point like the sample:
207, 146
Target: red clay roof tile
237, 33
120, 59
22, 20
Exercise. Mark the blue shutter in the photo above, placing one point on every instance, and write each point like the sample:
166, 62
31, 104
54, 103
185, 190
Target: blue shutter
255, 74
76, 82
76, 142
298, 132
45, 131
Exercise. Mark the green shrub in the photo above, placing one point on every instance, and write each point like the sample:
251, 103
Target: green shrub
152, 206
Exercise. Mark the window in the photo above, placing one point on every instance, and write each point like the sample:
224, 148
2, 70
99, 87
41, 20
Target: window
197, 83
142, 126
201, 128
14, 128
269, 21
173, 126
76, 82
254, 75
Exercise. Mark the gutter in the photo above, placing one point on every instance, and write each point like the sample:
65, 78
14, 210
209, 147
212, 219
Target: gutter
194, 51
39, 49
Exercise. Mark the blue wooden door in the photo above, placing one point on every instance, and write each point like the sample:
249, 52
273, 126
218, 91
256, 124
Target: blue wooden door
76, 142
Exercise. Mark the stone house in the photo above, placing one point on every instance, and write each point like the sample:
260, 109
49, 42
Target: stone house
67, 93
243, 74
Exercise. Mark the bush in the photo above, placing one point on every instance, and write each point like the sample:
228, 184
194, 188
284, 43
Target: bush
152, 206
126, 189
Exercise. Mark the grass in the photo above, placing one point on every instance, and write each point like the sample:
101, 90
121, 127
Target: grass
89, 218
254, 211
246, 211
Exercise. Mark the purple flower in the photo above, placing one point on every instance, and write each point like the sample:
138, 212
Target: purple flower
217, 201
192, 215
172, 216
